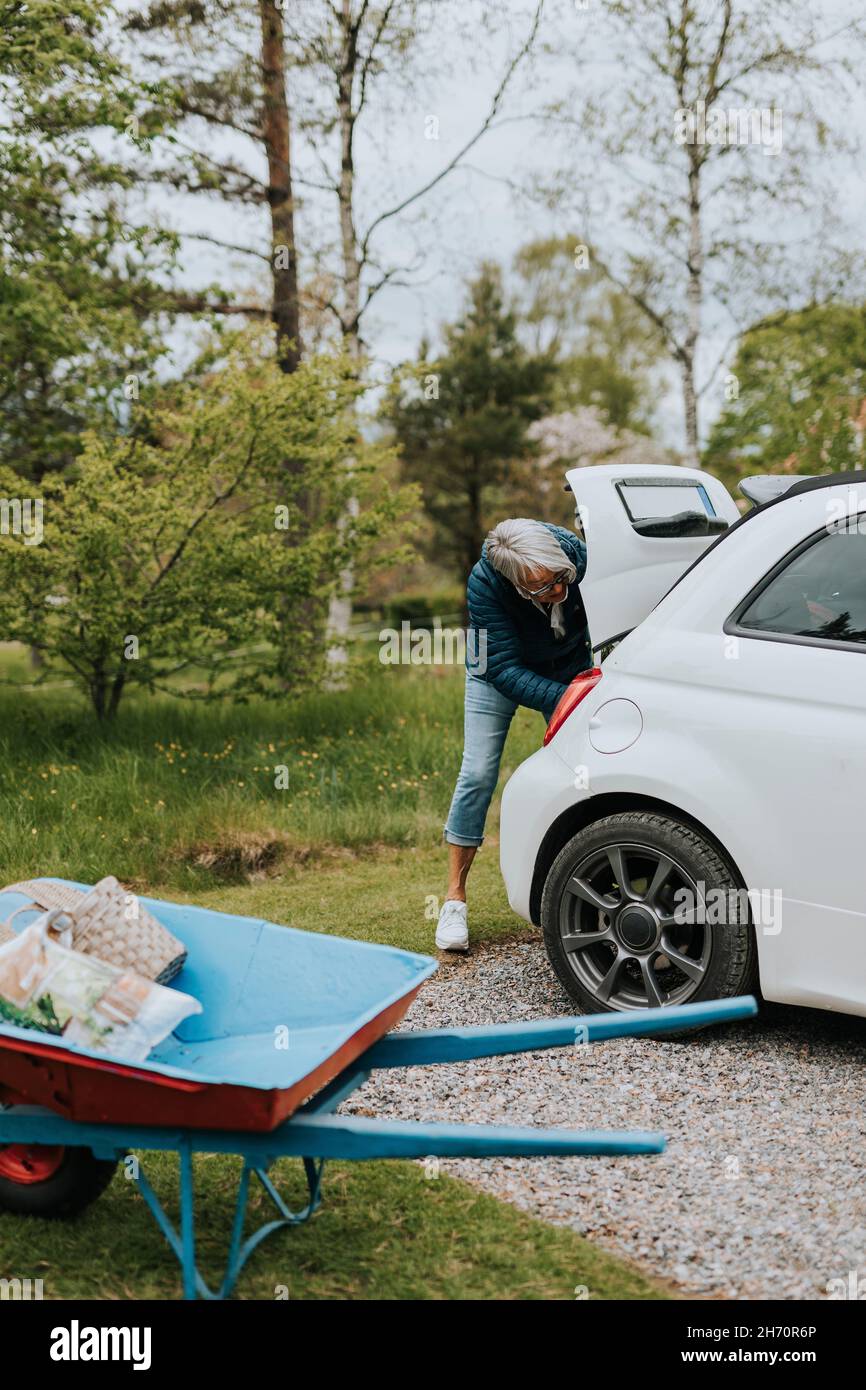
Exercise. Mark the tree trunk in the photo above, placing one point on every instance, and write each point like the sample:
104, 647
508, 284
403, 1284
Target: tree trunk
690, 410
98, 687
340, 610
348, 239
276, 131
694, 293
105, 693
117, 689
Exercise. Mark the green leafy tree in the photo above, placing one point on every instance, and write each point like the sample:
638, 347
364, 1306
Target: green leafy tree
605, 348
184, 562
308, 90
800, 396
78, 282
462, 420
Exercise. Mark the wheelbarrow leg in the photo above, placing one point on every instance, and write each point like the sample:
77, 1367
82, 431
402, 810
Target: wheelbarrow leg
187, 1221
183, 1243
313, 1170
236, 1256
183, 1246
240, 1250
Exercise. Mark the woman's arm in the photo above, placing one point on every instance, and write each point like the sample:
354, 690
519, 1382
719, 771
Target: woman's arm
504, 668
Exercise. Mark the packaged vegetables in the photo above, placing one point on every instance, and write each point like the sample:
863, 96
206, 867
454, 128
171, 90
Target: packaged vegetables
44, 985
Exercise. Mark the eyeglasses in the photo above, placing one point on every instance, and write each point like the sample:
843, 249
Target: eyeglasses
546, 588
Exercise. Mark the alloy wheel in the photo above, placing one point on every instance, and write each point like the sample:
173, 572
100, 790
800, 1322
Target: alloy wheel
631, 937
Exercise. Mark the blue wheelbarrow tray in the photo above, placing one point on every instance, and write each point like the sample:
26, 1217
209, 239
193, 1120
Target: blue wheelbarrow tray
292, 1023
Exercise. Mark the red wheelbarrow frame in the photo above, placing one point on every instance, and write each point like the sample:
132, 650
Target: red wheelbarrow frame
96, 1091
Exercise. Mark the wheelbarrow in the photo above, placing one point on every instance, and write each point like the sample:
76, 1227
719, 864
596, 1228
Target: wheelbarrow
293, 1022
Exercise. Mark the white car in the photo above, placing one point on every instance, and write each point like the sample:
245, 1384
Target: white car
696, 821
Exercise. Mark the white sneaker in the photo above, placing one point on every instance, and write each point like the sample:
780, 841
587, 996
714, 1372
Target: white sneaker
452, 929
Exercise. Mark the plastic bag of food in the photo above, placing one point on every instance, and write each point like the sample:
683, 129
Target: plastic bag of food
47, 986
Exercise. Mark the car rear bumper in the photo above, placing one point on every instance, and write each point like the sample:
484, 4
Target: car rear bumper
538, 792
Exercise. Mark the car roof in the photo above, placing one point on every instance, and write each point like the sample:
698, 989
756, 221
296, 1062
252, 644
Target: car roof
809, 484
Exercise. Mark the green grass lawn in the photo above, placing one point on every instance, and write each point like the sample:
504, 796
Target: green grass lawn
384, 1231
187, 801
187, 795
391, 896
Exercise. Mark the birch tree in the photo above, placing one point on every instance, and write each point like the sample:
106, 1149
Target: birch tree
351, 49
235, 63
356, 52
703, 173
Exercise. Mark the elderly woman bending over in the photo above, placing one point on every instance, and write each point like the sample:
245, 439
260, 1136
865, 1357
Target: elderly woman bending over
528, 638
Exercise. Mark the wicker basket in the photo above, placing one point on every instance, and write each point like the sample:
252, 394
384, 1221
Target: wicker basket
109, 923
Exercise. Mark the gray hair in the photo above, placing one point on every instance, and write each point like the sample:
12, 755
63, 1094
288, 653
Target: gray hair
519, 547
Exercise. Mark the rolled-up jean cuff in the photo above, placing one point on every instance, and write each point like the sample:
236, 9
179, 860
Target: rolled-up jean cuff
452, 839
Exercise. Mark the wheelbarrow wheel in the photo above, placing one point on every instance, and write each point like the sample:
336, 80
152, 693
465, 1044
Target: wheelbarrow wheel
51, 1180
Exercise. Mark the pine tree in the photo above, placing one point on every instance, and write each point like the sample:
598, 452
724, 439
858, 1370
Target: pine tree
462, 420
223, 64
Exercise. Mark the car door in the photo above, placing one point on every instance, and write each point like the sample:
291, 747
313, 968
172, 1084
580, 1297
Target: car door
643, 525
799, 684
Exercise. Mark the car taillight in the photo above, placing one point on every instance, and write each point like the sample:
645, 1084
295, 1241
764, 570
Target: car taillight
580, 686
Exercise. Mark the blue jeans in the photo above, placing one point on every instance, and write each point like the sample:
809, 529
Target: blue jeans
487, 718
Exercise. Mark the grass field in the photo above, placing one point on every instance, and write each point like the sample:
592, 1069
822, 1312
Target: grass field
384, 1231
325, 814
187, 795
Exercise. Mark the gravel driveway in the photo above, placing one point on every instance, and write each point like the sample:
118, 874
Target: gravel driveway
760, 1193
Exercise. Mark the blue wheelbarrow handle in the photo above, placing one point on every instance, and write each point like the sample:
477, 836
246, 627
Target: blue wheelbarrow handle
408, 1049
353, 1136
326, 1136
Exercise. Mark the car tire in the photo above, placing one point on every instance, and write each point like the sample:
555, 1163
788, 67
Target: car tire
51, 1181
621, 965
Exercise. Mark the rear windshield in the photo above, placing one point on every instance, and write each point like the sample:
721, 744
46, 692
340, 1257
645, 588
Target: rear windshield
665, 507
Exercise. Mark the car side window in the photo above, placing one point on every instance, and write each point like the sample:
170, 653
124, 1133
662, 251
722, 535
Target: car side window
820, 594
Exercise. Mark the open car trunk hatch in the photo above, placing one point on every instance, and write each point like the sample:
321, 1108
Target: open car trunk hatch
644, 525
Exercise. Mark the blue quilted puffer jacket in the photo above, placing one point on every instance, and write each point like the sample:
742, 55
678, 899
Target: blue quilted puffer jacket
521, 657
